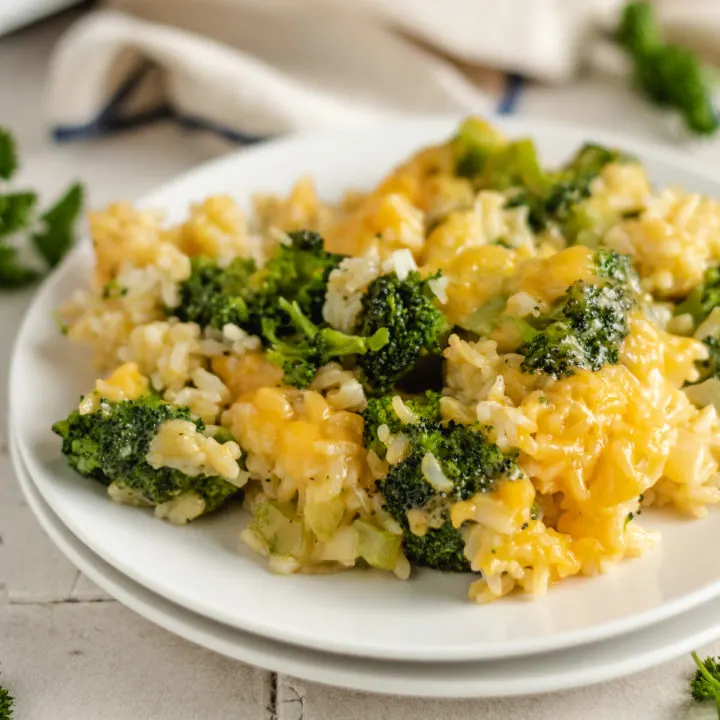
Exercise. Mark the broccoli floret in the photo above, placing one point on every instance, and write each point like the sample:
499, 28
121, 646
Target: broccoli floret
705, 684
110, 445
585, 330
669, 75
703, 299
301, 355
416, 327
564, 190
243, 295
7, 704
297, 272
380, 411
215, 296
613, 265
469, 461
476, 140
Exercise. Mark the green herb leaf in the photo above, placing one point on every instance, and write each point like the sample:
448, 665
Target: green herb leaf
8, 155
13, 274
58, 233
15, 211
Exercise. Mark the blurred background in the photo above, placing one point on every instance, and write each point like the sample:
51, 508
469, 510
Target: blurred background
125, 94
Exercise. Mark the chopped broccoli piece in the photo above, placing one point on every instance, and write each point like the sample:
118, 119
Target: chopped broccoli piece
703, 299
565, 189
301, 355
614, 266
476, 140
710, 367
514, 165
669, 75
585, 330
469, 461
380, 411
110, 445
215, 296
705, 684
440, 548
297, 272
416, 327
241, 294
7, 702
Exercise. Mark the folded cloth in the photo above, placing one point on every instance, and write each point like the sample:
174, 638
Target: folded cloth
250, 69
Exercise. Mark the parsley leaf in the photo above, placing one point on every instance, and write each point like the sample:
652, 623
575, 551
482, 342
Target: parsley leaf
16, 211
56, 236
8, 155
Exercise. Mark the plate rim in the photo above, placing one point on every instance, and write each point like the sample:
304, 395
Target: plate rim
432, 125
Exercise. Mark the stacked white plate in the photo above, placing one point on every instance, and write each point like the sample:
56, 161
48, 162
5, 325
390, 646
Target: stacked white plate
361, 629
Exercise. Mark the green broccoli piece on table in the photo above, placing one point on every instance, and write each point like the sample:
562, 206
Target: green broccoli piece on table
301, 355
584, 331
669, 75
111, 444
469, 461
7, 701
417, 328
705, 684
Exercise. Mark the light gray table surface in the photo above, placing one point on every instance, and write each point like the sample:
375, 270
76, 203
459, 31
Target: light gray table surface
67, 650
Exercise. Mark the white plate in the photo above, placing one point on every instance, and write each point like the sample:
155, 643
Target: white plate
202, 568
561, 670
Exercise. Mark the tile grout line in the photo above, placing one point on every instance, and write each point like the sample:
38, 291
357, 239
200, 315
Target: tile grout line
17, 602
270, 700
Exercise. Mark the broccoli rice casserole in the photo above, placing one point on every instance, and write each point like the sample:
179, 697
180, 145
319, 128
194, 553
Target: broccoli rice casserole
481, 365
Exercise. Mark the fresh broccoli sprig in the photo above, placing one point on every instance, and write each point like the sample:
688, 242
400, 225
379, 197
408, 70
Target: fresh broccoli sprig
585, 330
301, 355
24, 231
417, 328
215, 296
705, 684
669, 75
703, 299
111, 444
7, 701
470, 464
